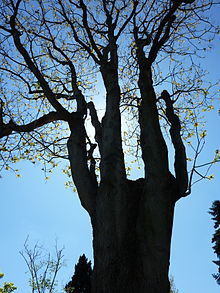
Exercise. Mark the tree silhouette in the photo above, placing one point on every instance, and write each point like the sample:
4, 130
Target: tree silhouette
81, 280
215, 212
91, 82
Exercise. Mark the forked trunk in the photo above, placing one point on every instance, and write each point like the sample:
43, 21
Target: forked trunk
132, 220
132, 233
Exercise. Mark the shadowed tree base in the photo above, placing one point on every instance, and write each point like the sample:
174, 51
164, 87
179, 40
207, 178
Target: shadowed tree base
132, 241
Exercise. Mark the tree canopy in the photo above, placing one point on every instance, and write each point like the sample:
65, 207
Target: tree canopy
51, 55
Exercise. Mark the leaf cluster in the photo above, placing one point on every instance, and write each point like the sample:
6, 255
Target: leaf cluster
51, 53
8, 287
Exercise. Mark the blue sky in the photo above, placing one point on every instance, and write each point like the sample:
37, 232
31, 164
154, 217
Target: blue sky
46, 211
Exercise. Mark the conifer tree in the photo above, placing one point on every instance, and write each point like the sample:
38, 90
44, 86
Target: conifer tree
215, 212
81, 280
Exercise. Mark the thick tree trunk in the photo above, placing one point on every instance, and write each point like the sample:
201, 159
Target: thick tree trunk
132, 232
132, 220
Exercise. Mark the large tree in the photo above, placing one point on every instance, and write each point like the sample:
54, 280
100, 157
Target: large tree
136, 61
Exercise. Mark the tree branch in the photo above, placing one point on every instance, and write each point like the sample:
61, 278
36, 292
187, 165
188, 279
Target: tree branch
75, 35
158, 43
135, 3
80, 99
1, 112
33, 68
180, 164
88, 30
96, 124
154, 149
7, 129
84, 180
165, 25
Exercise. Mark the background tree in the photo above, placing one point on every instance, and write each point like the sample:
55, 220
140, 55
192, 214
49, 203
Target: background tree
81, 279
43, 268
142, 57
215, 212
172, 286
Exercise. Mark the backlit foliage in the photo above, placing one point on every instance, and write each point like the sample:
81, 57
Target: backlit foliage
65, 41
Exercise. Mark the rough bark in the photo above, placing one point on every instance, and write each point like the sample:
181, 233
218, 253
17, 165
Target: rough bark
112, 163
132, 233
132, 221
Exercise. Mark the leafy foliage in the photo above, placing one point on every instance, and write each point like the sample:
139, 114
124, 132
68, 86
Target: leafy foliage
215, 212
8, 287
55, 44
172, 286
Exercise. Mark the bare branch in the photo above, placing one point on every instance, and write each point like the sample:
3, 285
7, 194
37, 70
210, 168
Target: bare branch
135, 3
165, 25
76, 37
88, 30
31, 65
7, 129
43, 269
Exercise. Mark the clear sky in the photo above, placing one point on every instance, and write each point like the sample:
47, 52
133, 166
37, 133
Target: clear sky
46, 211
